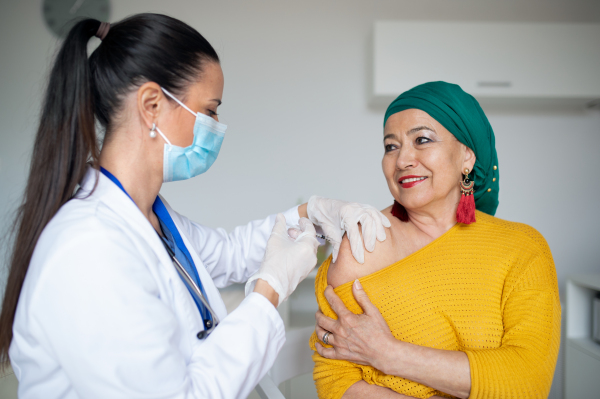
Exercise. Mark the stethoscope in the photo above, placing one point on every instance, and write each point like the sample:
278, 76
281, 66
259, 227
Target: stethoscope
209, 324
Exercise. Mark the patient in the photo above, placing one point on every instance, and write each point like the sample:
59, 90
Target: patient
455, 303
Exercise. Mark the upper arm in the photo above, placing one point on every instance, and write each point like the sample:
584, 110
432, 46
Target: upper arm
524, 363
346, 268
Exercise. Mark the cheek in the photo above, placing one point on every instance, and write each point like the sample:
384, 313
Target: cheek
445, 169
185, 130
388, 165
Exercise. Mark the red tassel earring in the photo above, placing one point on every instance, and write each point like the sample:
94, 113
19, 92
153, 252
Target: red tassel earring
466, 207
400, 212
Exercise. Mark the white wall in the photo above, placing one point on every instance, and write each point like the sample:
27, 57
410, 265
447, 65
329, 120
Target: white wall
296, 81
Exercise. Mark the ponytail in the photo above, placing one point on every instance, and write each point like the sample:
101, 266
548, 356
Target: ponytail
141, 48
64, 143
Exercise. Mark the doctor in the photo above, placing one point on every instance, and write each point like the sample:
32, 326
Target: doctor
113, 294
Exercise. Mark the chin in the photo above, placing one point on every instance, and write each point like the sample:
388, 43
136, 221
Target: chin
413, 201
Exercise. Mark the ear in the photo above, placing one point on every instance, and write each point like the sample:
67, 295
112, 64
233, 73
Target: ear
150, 100
469, 161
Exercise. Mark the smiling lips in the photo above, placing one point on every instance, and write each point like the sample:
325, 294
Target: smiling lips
410, 181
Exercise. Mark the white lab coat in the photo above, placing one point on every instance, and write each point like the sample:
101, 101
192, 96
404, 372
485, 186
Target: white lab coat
104, 314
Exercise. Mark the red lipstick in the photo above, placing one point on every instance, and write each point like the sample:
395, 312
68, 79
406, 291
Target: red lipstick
412, 183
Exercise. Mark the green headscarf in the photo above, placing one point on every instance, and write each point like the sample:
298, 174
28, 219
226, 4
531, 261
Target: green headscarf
462, 116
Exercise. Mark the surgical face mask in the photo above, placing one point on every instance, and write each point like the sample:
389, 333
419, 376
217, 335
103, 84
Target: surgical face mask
184, 163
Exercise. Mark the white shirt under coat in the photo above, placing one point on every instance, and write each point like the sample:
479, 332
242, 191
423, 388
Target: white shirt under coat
104, 314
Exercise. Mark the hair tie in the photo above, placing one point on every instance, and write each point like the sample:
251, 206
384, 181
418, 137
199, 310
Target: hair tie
102, 30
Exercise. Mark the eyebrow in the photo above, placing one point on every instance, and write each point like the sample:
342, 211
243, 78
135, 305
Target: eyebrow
217, 100
411, 131
419, 128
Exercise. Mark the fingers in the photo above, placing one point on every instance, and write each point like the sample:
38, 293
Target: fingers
280, 227
334, 236
321, 336
308, 235
294, 233
381, 222
363, 299
328, 353
356, 243
384, 220
334, 253
325, 323
369, 227
306, 226
335, 302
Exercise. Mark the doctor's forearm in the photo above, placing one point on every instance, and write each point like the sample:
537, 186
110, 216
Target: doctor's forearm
263, 288
302, 210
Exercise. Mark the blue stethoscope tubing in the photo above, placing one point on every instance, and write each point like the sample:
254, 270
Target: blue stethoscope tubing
195, 291
210, 326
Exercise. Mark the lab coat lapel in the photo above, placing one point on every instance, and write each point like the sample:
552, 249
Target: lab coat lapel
113, 197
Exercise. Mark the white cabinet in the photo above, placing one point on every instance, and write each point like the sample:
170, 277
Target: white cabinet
582, 357
536, 62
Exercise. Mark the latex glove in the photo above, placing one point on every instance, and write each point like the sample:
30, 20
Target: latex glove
336, 217
287, 260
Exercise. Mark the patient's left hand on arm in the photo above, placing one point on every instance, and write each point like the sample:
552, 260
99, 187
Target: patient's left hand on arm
362, 339
366, 339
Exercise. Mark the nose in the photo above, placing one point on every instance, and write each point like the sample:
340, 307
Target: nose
406, 158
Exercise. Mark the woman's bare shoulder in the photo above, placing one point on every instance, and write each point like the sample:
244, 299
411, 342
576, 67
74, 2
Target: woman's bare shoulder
346, 268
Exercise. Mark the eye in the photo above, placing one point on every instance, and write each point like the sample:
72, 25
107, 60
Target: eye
423, 140
212, 113
390, 147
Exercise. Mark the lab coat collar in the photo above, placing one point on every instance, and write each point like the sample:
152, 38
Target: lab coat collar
97, 186
112, 196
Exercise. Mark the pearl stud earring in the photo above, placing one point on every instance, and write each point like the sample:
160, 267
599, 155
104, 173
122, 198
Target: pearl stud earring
153, 131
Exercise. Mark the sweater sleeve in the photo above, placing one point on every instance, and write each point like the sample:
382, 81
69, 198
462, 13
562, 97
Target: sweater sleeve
523, 366
333, 377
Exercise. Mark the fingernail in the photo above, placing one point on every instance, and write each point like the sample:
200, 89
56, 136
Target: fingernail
357, 285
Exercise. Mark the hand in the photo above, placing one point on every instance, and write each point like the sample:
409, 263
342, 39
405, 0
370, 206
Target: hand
362, 339
287, 260
336, 217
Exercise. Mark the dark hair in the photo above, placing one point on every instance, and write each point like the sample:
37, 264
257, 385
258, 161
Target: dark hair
142, 48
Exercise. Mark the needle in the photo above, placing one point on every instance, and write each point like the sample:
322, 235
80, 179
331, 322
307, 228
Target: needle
321, 236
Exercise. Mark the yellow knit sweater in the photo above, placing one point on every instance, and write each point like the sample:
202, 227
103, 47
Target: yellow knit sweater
488, 289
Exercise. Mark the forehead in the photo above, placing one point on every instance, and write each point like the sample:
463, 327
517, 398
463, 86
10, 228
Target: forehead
404, 121
210, 82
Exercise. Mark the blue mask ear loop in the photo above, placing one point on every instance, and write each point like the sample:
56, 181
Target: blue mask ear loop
178, 102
